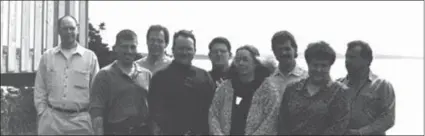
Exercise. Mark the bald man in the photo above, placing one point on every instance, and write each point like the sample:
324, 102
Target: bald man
62, 84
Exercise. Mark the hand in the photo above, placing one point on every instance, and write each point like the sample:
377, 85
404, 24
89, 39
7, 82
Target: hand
353, 132
98, 125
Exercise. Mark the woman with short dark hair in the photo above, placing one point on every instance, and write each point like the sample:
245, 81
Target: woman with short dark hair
315, 105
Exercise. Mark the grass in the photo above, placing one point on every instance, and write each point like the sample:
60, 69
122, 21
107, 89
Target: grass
18, 114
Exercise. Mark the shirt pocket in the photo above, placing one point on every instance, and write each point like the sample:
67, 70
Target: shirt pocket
52, 78
370, 104
80, 79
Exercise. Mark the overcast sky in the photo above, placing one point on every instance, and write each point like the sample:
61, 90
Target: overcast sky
390, 27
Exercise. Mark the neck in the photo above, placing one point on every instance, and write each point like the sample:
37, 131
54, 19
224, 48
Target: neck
360, 75
124, 65
221, 68
321, 83
68, 45
154, 58
288, 67
246, 78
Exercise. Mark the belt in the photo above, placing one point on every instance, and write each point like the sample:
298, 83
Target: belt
67, 110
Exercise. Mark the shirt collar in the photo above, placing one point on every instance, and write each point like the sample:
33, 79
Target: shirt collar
78, 50
137, 69
371, 76
297, 71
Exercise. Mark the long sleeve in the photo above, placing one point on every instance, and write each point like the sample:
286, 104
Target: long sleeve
213, 117
283, 124
40, 91
155, 101
386, 119
340, 114
99, 94
268, 103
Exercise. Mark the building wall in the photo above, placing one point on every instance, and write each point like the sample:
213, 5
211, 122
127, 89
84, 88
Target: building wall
28, 28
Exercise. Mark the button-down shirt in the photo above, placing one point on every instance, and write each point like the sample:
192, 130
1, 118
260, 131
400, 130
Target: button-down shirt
283, 80
158, 65
62, 82
118, 95
373, 105
324, 113
179, 98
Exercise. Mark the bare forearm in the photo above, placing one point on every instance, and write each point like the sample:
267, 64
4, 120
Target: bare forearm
98, 125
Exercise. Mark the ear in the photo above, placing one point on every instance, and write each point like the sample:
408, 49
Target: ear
296, 55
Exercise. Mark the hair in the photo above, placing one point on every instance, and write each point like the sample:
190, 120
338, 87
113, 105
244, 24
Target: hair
161, 29
125, 34
222, 40
283, 36
366, 51
261, 71
184, 33
62, 18
321, 51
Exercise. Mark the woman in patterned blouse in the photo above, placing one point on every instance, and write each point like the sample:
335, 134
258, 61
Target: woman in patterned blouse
232, 101
315, 105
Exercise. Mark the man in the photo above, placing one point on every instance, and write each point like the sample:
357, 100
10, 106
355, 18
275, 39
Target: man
180, 94
220, 53
62, 84
285, 50
119, 92
157, 39
373, 98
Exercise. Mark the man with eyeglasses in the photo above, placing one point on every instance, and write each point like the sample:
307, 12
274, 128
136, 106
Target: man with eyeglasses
220, 53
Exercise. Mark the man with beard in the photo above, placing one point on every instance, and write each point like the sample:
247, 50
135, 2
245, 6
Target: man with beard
118, 102
220, 53
373, 98
180, 94
62, 84
157, 39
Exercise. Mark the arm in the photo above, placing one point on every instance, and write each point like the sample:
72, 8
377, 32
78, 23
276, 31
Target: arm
283, 124
340, 113
213, 117
386, 119
156, 104
99, 96
40, 90
210, 91
94, 68
269, 104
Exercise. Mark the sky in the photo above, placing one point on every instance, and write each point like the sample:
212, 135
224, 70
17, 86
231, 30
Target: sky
390, 27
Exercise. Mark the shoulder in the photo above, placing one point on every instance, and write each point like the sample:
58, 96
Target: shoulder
225, 86
143, 70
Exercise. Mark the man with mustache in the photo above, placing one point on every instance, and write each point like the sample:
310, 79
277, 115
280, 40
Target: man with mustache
62, 84
373, 98
118, 102
220, 53
157, 39
180, 94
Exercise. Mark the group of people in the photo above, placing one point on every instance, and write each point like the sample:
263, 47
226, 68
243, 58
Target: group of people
160, 95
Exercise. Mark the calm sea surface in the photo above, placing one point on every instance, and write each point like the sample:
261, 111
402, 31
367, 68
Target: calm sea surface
406, 76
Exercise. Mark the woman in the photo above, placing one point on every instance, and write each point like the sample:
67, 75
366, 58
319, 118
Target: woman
232, 101
315, 105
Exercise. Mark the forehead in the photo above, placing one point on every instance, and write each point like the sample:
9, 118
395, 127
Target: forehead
219, 46
354, 50
68, 22
184, 41
156, 33
286, 44
243, 53
127, 42
320, 61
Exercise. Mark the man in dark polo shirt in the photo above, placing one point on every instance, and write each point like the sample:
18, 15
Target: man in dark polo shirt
220, 53
180, 94
118, 99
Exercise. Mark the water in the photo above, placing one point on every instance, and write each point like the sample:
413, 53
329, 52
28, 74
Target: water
406, 76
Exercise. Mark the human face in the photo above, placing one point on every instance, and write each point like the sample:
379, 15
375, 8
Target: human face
126, 51
156, 43
244, 62
354, 62
219, 54
68, 31
184, 50
319, 70
284, 53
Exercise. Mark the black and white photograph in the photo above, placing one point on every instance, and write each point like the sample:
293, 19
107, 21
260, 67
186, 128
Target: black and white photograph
212, 68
